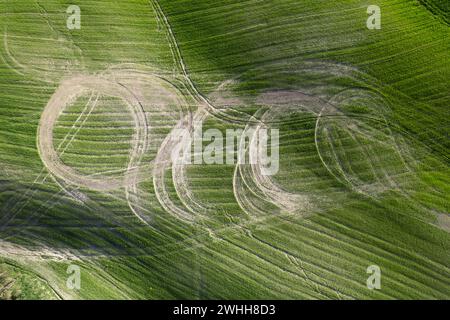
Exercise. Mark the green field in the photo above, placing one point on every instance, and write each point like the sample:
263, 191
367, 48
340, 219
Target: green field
364, 167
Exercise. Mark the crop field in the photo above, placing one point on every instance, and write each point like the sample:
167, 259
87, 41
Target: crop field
99, 178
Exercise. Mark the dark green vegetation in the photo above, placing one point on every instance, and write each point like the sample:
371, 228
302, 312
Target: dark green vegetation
18, 283
368, 162
440, 8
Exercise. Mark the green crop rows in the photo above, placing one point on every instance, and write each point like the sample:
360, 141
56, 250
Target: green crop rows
364, 166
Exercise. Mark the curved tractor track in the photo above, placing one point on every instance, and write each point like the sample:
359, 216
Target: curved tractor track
130, 87
263, 188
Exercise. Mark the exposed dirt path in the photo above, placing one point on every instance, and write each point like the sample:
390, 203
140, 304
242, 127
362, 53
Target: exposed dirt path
252, 177
172, 144
68, 91
8, 249
141, 92
179, 165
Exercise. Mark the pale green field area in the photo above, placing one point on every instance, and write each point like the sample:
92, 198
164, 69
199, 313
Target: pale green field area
363, 178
